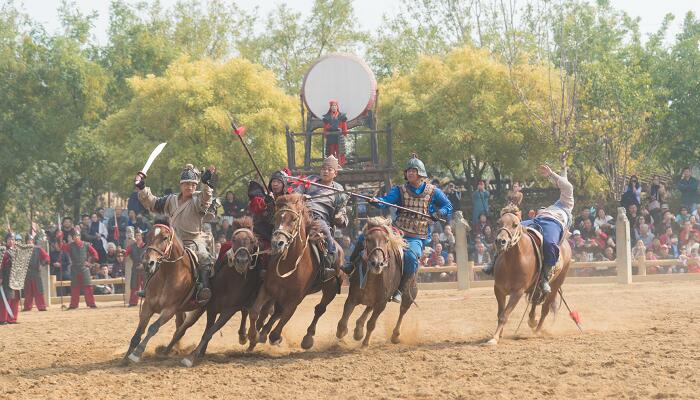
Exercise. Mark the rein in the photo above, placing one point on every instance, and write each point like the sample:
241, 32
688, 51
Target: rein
291, 237
513, 238
253, 256
385, 263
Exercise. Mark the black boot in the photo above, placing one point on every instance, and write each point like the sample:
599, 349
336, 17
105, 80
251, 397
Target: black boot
544, 279
328, 269
354, 258
403, 287
203, 290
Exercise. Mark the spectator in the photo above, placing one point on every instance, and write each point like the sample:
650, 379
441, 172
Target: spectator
683, 215
117, 227
632, 194
489, 239
644, 235
133, 204
657, 196
99, 229
448, 239
665, 238
111, 257
668, 222
438, 252
451, 262
639, 251
655, 246
515, 195
603, 221
651, 269
231, 207
609, 254
225, 229
692, 245
67, 227
454, 196
434, 240
687, 233
119, 267
531, 214
688, 186
482, 223
104, 288
481, 257
587, 229
480, 202
584, 215
577, 242
696, 212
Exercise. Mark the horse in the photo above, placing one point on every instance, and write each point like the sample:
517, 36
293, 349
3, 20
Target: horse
516, 272
292, 272
168, 291
375, 279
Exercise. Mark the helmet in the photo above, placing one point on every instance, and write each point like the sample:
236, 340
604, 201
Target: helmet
282, 176
189, 174
415, 163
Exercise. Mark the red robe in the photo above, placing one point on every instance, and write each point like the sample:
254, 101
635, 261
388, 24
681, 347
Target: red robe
33, 285
12, 295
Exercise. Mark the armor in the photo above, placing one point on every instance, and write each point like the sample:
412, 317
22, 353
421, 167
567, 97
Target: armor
78, 257
412, 224
20, 255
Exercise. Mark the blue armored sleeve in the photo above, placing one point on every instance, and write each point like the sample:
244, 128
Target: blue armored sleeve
393, 197
441, 204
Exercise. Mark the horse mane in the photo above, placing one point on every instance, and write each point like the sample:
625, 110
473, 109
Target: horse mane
295, 201
510, 209
162, 220
396, 242
242, 223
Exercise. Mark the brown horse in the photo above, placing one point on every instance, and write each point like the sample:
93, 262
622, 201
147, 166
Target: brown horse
292, 272
516, 272
168, 291
234, 287
376, 279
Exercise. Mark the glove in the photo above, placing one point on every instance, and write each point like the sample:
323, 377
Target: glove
210, 178
435, 216
140, 181
374, 202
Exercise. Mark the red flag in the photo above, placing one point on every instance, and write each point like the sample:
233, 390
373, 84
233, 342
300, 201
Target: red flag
239, 130
575, 316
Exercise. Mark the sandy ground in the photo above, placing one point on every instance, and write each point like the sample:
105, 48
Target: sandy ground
640, 341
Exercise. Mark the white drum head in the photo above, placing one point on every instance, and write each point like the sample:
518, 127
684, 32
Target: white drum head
342, 77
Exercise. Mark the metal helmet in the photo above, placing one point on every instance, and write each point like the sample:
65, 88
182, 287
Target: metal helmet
281, 176
416, 163
189, 174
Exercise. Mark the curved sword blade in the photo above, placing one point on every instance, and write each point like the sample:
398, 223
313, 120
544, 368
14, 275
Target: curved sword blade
152, 157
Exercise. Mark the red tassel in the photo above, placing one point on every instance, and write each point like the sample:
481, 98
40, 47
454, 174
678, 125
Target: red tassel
257, 205
239, 131
575, 316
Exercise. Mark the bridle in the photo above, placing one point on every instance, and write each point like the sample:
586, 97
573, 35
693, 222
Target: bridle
377, 248
513, 238
164, 254
290, 237
243, 249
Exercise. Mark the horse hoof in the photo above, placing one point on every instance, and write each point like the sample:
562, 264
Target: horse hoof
365, 345
341, 332
187, 362
162, 350
134, 358
395, 339
242, 339
358, 334
262, 338
532, 323
307, 342
276, 342
492, 342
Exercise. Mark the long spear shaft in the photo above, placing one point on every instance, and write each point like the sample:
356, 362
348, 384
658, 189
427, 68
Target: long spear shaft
361, 196
238, 132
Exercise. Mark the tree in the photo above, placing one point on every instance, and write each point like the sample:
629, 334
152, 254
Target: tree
187, 108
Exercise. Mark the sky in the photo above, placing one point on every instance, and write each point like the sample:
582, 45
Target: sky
369, 12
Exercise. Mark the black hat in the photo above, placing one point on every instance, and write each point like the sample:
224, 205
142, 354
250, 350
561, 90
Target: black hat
189, 174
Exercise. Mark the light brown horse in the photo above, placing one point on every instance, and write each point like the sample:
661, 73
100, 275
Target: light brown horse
375, 279
168, 291
516, 272
292, 272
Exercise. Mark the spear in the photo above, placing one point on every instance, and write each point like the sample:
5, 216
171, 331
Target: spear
239, 131
361, 196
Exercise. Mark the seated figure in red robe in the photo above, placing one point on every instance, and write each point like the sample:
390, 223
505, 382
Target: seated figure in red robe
334, 123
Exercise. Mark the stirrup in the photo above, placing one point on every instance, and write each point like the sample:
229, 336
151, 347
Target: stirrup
203, 295
396, 298
327, 274
546, 289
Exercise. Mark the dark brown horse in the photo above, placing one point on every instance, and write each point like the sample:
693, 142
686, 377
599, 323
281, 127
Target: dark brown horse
292, 272
375, 280
516, 272
234, 286
168, 291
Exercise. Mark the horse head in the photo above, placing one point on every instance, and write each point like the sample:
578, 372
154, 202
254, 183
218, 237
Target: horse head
380, 240
160, 247
510, 229
288, 220
244, 247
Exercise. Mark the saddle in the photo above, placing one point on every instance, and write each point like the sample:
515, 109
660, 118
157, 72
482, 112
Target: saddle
537, 241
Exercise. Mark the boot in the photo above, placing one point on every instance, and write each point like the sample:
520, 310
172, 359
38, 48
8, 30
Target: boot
488, 269
405, 278
354, 258
203, 291
328, 270
544, 279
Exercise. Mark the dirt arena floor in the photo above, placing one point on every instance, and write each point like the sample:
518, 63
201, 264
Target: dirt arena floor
640, 341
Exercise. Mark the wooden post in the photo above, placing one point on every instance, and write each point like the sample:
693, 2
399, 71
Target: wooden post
45, 272
128, 270
52, 286
624, 247
461, 228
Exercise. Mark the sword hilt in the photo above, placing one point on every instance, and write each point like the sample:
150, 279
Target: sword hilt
140, 176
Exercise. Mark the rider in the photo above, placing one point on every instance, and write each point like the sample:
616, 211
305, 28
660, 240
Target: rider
328, 208
186, 211
552, 222
262, 204
420, 196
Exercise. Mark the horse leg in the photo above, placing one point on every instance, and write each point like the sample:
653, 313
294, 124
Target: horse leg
285, 315
532, 321
181, 329
144, 317
242, 338
212, 328
165, 316
348, 308
372, 323
254, 314
360, 324
545, 309
264, 313
329, 292
503, 316
265, 331
406, 303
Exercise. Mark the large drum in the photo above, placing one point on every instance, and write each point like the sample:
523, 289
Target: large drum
342, 77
